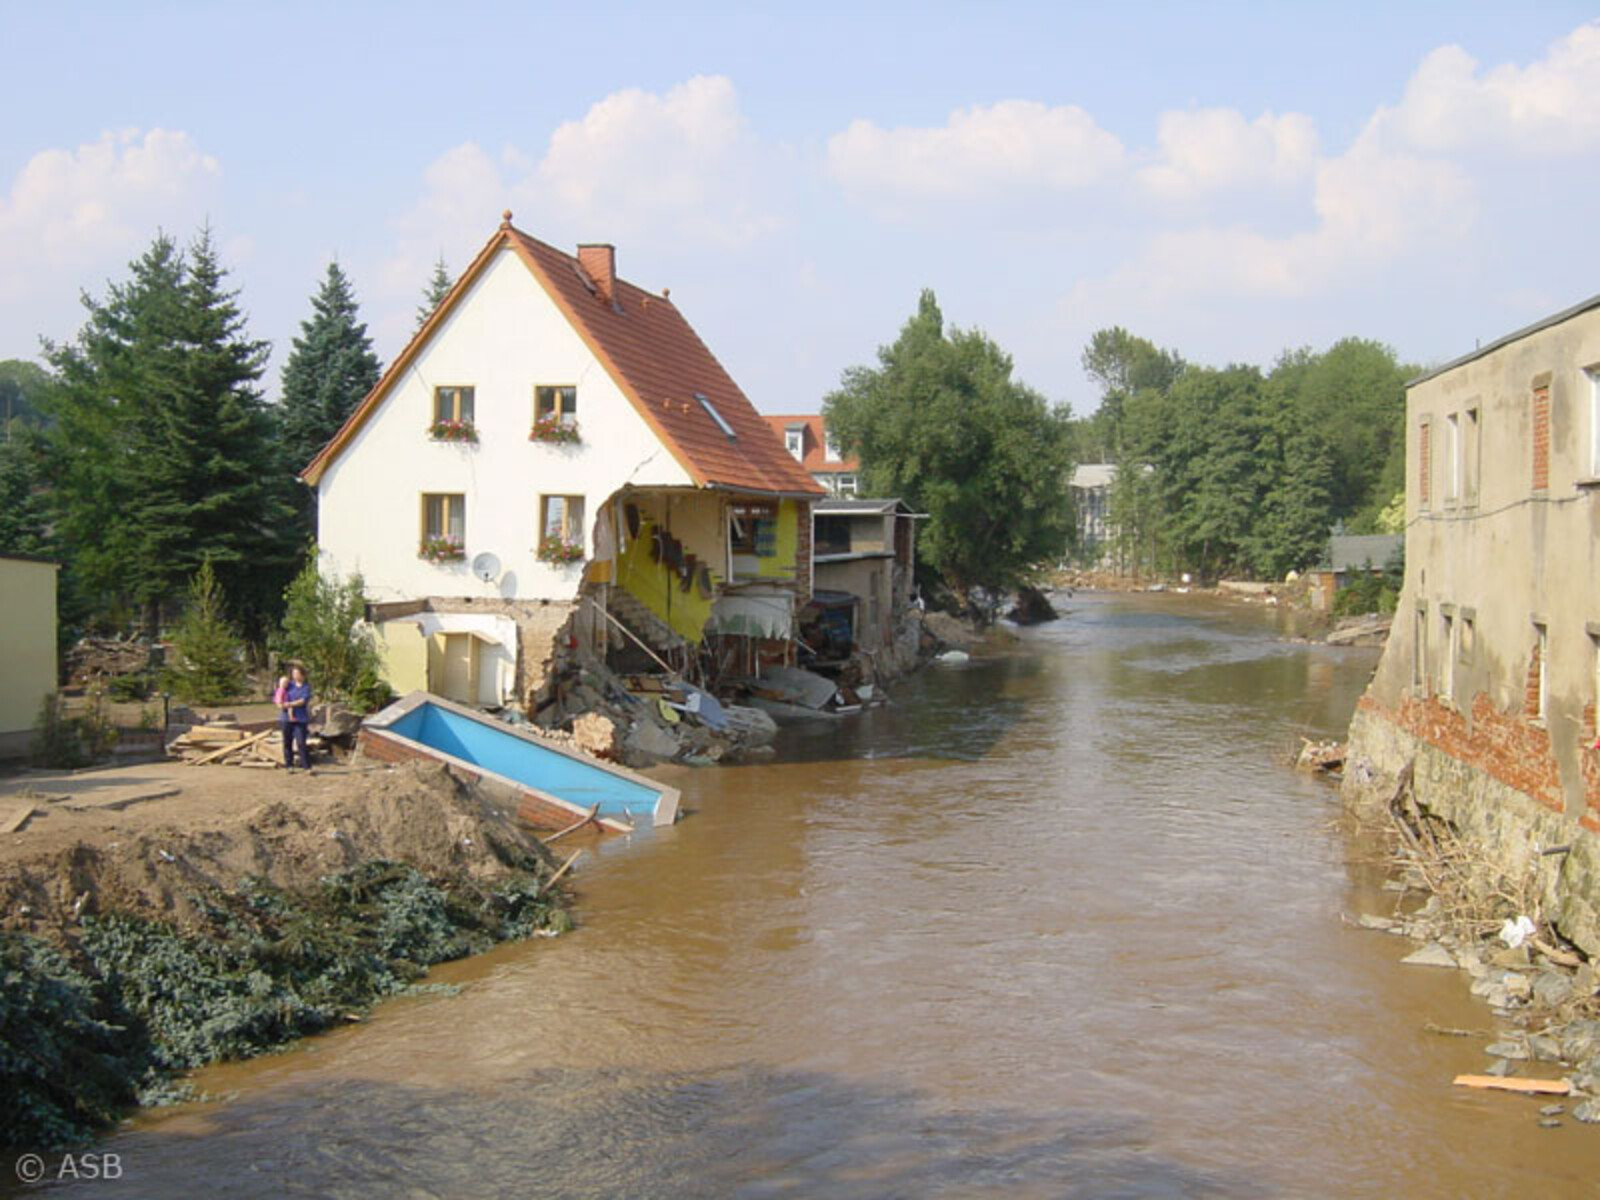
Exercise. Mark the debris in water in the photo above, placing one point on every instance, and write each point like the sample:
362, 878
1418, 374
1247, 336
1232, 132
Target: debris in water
1535, 1087
1514, 932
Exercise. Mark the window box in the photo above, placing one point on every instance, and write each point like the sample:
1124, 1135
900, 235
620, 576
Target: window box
561, 553
453, 429
442, 550
553, 428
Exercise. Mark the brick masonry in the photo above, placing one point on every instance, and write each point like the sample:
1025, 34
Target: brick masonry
532, 808
1498, 786
1541, 438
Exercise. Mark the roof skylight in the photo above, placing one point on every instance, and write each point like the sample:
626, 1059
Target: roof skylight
716, 416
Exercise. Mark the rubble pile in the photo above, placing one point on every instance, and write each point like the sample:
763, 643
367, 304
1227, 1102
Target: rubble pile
640, 720
95, 659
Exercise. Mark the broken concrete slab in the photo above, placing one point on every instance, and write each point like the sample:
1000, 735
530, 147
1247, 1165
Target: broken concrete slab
1431, 955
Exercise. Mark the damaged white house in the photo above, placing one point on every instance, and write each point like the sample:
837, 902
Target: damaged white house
556, 454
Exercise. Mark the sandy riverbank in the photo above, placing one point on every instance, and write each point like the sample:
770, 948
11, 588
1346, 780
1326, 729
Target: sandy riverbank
159, 917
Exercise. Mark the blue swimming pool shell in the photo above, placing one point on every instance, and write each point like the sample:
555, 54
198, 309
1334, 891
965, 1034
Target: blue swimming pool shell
484, 744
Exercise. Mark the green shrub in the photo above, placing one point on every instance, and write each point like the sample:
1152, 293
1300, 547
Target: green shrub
125, 689
63, 1066
324, 626
77, 1044
1365, 593
57, 738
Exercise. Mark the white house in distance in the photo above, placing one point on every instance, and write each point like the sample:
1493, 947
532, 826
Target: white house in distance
556, 444
806, 436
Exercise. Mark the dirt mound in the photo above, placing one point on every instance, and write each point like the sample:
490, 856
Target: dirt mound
417, 813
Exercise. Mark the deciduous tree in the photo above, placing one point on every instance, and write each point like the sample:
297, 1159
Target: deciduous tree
941, 423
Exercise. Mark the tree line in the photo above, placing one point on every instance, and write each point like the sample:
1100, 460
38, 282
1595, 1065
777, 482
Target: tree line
1236, 470
144, 450
1226, 470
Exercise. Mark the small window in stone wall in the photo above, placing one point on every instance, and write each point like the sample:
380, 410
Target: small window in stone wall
1537, 701
1425, 464
1541, 438
1447, 656
1594, 690
1419, 650
1468, 636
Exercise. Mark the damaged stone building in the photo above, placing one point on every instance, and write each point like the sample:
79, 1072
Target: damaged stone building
557, 457
1489, 680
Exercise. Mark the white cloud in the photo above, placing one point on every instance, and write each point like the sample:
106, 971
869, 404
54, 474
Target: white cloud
685, 160
1015, 144
1372, 208
678, 167
1549, 106
1212, 149
73, 212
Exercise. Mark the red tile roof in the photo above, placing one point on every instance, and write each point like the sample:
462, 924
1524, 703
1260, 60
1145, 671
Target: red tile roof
655, 358
815, 447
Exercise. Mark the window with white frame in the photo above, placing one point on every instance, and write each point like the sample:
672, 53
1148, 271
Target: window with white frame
845, 485
794, 441
561, 521
831, 446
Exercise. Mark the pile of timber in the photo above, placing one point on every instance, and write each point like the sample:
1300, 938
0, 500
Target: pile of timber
222, 742
95, 658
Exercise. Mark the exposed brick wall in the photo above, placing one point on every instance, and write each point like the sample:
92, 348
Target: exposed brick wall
534, 809
1533, 685
1541, 438
1504, 746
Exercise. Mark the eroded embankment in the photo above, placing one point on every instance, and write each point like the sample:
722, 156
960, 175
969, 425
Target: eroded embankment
130, 955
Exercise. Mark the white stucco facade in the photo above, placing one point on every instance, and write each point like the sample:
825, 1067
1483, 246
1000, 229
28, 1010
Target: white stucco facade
503, 338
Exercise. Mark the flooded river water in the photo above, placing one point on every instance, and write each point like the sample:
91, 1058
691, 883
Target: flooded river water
1060, 923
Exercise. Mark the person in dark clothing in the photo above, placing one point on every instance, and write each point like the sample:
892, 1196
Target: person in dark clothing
295, 718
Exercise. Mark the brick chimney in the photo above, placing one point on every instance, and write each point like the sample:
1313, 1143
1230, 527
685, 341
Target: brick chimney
599, 263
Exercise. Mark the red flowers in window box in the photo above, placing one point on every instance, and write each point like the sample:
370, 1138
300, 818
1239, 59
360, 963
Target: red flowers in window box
550, 428
554, 550
452, 430
441, 549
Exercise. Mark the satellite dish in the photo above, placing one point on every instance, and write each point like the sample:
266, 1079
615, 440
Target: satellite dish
486, 567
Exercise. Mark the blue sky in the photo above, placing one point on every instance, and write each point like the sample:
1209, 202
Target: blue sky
1226, 179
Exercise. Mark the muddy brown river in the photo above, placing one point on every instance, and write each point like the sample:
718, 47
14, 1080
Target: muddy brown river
1060, 923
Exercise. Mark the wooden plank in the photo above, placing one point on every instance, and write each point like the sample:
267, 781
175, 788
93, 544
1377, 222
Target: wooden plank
232, 748
16, 819
120, 797
578, 824
1535, 1087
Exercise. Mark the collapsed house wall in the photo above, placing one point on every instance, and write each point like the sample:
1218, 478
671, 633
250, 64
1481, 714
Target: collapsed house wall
541, 627
1488, 680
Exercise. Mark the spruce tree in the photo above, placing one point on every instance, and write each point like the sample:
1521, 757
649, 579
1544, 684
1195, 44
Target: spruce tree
24, 519
433, 295
164, 453
109, 380
211, 666
330, 368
